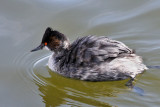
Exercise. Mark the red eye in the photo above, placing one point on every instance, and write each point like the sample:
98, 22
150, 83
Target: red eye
45, 43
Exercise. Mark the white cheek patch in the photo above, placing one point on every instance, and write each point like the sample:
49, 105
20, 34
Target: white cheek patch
66, 44
46, 48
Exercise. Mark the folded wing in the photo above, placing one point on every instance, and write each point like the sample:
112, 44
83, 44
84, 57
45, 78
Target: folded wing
92, 50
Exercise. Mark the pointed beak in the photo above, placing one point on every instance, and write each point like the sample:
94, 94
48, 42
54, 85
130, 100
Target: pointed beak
38, 48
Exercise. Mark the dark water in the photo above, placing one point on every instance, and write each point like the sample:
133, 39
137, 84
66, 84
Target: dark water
26, 81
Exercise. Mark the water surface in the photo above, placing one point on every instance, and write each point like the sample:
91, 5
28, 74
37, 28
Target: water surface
26, 81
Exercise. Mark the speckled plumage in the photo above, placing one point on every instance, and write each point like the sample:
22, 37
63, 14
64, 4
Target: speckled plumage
94, 58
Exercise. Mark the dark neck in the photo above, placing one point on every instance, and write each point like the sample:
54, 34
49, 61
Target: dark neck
60, 55
60, 51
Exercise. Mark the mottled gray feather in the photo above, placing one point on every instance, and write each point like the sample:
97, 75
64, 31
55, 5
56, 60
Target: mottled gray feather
97, 59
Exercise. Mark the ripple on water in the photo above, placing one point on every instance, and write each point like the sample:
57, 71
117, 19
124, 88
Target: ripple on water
26, 65
57, 90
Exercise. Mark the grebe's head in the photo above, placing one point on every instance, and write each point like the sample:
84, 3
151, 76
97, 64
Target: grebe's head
53, 40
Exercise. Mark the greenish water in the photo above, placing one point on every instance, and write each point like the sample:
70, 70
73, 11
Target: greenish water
26, 81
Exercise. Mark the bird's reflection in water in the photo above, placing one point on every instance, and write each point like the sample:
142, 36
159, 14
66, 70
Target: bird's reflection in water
59, 91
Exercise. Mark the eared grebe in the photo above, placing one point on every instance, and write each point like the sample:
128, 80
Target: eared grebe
91, 58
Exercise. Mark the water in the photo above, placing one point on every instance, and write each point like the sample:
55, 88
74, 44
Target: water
26, 81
